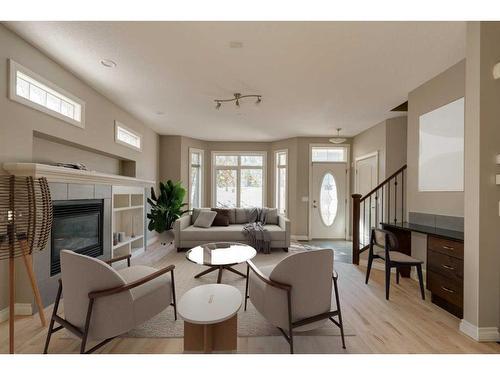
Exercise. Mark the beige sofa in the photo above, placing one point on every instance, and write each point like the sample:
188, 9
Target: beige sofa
188, 236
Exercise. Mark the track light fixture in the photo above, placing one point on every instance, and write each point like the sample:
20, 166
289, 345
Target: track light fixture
236, 99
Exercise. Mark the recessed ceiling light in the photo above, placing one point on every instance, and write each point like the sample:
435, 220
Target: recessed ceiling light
235, 44
108, 63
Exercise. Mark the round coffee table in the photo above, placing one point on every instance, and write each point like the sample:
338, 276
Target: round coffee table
220, 256
210, 317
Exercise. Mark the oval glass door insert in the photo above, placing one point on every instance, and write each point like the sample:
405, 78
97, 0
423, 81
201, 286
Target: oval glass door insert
328, 199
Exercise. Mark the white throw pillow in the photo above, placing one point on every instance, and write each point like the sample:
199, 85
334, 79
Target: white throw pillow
205, 219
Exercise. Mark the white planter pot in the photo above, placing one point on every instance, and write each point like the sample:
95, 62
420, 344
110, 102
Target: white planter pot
167, 237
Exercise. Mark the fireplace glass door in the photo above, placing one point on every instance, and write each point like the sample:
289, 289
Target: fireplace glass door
77, 226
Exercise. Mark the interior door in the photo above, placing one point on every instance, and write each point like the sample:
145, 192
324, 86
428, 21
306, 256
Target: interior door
366, 179
328, 203
366, 174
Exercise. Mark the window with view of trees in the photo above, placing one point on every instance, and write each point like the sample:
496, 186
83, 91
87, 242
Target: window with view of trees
239, 179
195, 178
280, 178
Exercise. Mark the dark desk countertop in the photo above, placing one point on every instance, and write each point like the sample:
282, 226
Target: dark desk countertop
445, 233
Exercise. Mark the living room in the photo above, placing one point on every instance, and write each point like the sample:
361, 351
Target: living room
260, 187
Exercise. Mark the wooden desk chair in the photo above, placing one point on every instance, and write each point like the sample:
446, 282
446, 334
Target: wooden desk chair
387, 244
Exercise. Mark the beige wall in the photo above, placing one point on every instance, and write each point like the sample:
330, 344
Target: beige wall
18, 122
482, 133
174, 164
46, 151
440, 90
396, 144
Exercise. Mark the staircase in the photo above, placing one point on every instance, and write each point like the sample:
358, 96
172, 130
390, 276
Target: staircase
385, 203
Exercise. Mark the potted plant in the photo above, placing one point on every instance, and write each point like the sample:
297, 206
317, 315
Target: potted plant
166, 208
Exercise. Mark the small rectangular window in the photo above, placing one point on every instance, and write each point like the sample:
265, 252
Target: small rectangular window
127, 137
328, 154
32, 90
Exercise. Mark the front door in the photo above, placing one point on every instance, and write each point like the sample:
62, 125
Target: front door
328, 203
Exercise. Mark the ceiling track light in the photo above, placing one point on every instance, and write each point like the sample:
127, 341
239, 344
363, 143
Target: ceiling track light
236, 99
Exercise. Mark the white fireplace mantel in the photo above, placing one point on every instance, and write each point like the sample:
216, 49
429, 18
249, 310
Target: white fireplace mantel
68, 175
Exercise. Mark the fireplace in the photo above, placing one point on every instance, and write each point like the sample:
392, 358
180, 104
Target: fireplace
77, 226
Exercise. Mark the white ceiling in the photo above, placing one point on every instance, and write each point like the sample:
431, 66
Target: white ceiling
313, 76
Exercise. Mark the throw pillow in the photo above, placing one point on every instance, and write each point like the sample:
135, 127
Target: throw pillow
196, 212
272, 216
205, 219
222, 217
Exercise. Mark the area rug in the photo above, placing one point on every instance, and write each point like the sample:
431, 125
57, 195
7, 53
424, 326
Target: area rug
250, 322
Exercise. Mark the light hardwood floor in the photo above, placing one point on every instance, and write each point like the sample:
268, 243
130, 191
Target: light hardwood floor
405, 324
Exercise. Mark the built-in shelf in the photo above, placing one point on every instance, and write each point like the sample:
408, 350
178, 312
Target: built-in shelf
128, 217
129, 241
127, 208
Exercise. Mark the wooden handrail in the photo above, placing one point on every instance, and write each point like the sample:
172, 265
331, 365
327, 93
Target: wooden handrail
357, 199
383, 183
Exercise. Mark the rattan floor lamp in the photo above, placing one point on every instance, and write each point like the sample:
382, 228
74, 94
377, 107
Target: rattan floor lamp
25, 223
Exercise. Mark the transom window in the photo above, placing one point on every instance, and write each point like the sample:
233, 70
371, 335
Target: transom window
280, 187
238, 179
195, 178
127, 137
32, 90
328, 154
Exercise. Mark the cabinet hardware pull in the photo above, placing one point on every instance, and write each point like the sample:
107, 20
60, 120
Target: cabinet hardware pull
448, 247
447, 267
447, 290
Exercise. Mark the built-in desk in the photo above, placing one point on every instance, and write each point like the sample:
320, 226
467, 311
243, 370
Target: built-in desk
445, 269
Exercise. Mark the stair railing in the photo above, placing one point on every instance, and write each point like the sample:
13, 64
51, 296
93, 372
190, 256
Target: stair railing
382, 204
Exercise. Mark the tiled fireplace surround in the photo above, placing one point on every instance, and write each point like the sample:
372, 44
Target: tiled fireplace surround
63, 192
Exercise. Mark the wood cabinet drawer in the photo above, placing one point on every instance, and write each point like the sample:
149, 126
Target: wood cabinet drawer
446, 288
445, 265
448, 247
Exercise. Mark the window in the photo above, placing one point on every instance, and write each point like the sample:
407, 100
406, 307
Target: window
195, 178
239, 179
127, 137
280, 177
328, 199
328, 154
32, 90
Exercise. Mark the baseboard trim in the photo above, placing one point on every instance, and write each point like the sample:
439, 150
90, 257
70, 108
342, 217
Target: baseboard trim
24, 309
482, 334
299, 237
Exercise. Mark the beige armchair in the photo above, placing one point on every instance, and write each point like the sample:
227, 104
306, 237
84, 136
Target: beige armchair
101, 303
296, 293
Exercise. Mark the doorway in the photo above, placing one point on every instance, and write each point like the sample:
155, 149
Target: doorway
365, 180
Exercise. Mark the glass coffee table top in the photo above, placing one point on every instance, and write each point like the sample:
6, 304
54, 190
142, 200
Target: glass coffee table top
220, 256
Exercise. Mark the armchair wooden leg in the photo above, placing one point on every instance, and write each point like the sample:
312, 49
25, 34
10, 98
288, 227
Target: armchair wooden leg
246, 287
397, 275
369, 268
173, 295
421, 280
52, 319
387, 281
87, 326
337, 302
